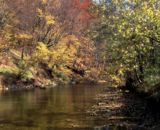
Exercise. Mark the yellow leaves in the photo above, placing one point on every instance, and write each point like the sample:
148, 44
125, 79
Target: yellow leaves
117, 80
42, 53
39, 12
66, 49
49, 19
59, 56
42, 48
44, 1
44, 14
62, 53
121, 71
24, 36
149, 10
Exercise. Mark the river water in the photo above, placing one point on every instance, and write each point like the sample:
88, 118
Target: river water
60, 108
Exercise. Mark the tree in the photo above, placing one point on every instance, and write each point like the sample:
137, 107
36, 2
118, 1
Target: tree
75, 15
44, 38
131, 32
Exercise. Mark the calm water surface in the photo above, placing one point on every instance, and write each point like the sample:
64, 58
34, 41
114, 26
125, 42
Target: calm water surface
60, 108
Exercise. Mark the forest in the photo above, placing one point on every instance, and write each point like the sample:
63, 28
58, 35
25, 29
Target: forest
51, 43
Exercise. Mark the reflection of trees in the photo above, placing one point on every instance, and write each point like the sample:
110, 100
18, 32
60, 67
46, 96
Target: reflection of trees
61, 107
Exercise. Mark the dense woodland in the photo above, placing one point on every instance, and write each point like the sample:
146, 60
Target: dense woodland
47, 42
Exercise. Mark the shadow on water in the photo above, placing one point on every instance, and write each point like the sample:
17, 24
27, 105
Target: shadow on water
60, 108
146, 114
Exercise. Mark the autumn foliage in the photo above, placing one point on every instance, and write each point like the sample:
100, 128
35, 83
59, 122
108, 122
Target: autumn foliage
46, 39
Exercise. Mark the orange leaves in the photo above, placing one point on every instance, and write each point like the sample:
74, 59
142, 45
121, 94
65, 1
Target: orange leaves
77, 14
82, 4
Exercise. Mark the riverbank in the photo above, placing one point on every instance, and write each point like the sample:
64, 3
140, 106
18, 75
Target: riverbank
11, 83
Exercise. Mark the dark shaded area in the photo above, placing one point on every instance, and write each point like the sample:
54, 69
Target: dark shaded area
126, 110
80, 72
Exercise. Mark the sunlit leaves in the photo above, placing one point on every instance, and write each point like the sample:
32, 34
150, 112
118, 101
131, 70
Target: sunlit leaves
133, 36
49, 19
44, 1
42, 52
23, 36
59, 56
64, 52
39, 12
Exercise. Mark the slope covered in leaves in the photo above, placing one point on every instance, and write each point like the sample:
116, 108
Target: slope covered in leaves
39, 45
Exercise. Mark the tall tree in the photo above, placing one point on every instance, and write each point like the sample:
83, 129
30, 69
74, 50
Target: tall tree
132, 40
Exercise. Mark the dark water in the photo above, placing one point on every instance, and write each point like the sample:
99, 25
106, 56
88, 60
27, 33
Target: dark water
60, 108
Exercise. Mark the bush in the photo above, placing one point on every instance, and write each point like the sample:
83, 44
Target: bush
23, 71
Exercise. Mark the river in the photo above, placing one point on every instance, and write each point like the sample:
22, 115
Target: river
60, 108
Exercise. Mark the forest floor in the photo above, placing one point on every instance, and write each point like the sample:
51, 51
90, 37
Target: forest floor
124, 109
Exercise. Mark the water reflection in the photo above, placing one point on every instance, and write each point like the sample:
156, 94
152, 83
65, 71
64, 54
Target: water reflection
62, 108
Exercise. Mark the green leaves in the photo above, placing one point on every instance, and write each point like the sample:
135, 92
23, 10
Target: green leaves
134, 35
